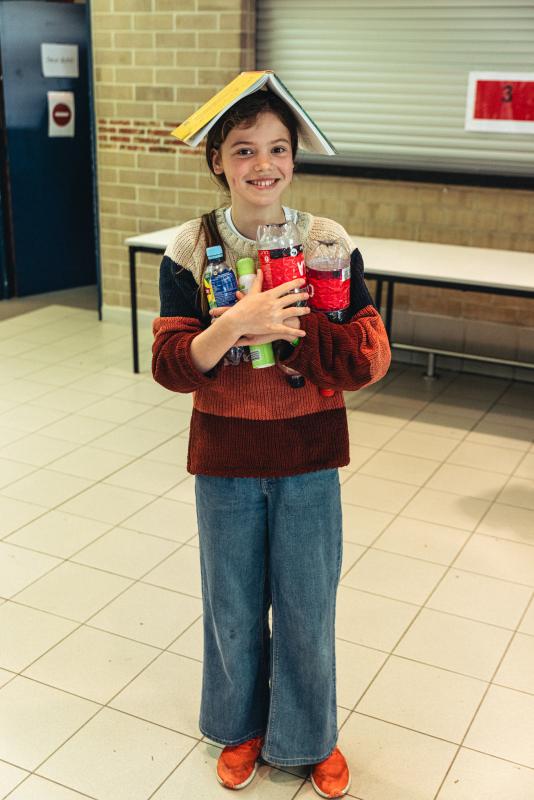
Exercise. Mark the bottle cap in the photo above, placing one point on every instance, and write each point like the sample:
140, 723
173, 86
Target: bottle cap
214, 252
327, 392
296, 381
245, 266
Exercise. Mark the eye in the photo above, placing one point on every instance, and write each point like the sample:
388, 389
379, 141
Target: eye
243, 151
280, 149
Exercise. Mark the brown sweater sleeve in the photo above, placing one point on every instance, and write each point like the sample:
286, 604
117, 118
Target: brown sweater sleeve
342, 357
172, 365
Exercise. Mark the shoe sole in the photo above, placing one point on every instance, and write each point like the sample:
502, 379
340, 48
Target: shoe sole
239, 785
323, 794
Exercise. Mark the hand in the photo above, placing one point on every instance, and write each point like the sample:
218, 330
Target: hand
264, 315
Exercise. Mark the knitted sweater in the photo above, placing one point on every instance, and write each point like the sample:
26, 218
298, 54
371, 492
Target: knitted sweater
249, 422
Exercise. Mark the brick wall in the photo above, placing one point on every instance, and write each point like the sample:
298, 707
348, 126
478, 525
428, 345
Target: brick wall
155, 64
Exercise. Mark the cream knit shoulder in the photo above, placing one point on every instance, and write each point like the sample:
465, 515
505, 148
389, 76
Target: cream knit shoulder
189, 251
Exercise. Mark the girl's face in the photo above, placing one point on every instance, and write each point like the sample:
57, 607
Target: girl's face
256, 161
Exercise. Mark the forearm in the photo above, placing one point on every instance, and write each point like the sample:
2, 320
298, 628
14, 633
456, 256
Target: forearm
209, 347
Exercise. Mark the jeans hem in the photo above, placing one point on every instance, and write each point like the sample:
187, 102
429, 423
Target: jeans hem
296, 762
220, 740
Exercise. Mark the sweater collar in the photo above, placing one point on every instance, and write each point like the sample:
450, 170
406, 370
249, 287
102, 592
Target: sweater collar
246, 247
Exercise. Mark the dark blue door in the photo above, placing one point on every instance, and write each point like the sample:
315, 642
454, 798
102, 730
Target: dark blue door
50, 178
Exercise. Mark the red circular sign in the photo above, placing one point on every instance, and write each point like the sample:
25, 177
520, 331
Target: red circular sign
61, 114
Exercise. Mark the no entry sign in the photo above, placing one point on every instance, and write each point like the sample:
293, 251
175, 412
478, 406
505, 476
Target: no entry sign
60, 114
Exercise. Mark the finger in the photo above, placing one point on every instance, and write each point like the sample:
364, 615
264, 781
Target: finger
291, 299
258, 283
284, 288
299, 311
239, 295
217, 312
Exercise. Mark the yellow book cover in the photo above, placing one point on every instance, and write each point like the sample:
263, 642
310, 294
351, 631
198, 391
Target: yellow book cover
193, 130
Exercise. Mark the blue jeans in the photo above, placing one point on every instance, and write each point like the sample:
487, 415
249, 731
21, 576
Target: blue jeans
263, 542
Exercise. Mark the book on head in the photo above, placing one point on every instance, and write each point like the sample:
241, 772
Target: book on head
193, 130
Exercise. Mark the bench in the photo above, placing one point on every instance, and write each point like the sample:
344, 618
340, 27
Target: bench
391, 261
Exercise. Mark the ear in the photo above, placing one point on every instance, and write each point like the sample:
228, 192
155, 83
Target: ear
216, 162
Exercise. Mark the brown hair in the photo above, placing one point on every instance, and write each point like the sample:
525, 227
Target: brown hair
244, 113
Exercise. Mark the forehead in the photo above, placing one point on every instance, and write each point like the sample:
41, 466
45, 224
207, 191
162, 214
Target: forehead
266, 126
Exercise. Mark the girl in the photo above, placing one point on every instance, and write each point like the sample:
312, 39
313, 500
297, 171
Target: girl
266, 460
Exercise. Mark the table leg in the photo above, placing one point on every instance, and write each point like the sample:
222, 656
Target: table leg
133, 301
389, 308
378, 295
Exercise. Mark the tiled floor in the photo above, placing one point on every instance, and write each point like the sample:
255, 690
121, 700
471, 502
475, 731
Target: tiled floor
100, 616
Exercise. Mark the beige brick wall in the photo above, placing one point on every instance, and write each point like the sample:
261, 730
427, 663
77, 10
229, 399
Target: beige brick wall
154, 64
155, 61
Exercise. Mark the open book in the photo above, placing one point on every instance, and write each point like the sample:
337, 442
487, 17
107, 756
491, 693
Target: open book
193, 130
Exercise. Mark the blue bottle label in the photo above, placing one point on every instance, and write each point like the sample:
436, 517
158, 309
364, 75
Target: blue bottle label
224, 287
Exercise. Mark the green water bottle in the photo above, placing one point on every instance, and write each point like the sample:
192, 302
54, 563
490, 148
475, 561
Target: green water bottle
261, 355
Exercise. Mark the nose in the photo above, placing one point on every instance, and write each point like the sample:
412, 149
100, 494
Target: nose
263, 163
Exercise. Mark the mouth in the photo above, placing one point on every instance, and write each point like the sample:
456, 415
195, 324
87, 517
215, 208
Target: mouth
263, 183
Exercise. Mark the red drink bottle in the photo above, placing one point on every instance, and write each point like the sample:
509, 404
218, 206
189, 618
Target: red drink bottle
328, 274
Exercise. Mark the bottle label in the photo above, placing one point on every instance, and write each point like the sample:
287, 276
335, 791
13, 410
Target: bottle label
281, 265
224, 286
329, 289
208, 288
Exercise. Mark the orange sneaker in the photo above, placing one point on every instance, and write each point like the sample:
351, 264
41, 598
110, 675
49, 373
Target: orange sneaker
238, 763
331, 777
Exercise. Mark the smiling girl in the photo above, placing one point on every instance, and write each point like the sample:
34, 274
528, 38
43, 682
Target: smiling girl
266, 460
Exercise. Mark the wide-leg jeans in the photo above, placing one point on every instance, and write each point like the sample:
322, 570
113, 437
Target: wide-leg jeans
270, 542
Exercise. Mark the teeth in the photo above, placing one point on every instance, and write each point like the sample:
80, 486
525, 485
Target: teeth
263, 183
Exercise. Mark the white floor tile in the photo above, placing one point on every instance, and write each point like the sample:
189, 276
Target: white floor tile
499, 558
90, 462
117, 757
27, 634
371, 620
516, 671
125, 552
149, 614
58, 534
10, 776
480, 598
179, 572
479, 775
167, 692
36, 449
73, 591
504, 726
92, 664
454, 643
46, 487
445, 508
395, 576
423, 698
36, 719
20, 567
106, 503
35, 787
377, 493
170, 519
419, 539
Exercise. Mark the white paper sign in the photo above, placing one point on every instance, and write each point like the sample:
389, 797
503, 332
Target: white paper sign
60, 60
60, 114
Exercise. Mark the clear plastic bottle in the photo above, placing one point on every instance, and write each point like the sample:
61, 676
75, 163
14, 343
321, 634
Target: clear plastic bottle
328, 275
281, 258
220, 286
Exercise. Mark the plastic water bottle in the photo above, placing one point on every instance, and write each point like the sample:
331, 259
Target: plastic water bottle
261, 355
281, 257
220, 286
328, 274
